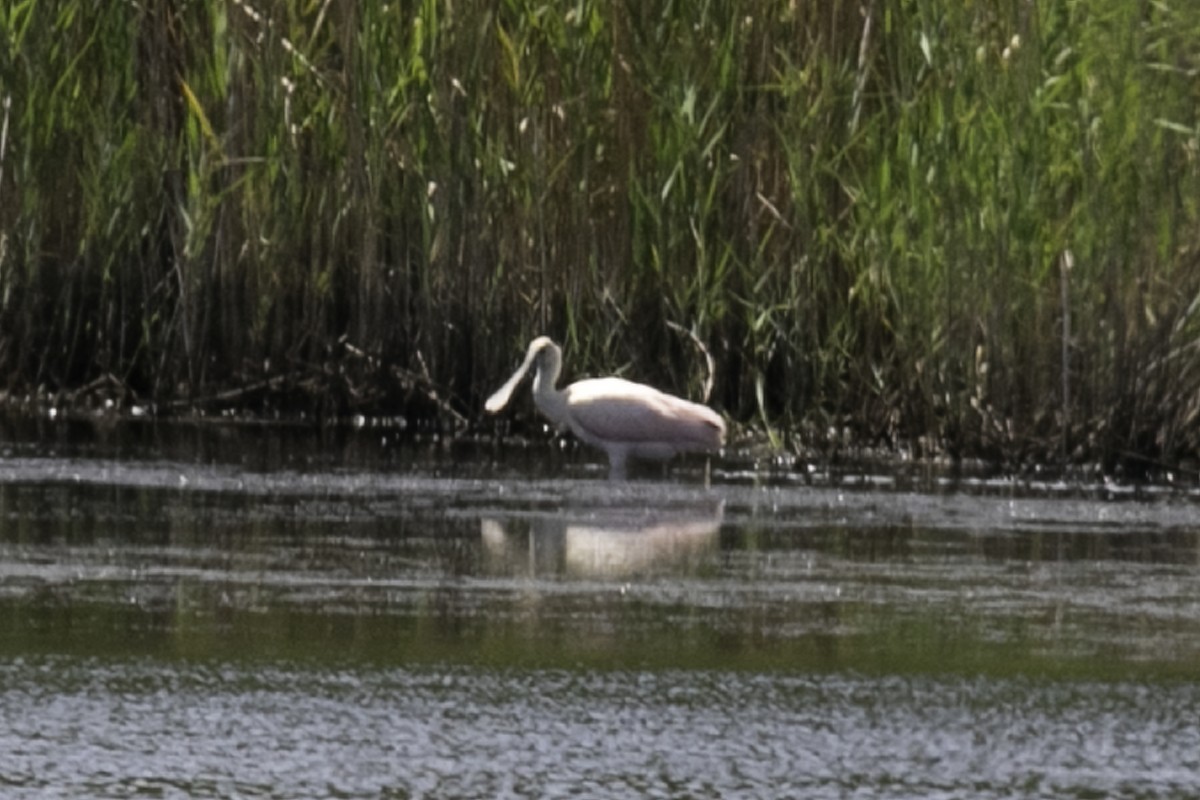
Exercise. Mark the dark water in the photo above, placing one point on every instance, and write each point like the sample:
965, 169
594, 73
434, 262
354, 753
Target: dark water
260, 611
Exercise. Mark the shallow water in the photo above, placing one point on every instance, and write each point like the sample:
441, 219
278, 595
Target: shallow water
225, 611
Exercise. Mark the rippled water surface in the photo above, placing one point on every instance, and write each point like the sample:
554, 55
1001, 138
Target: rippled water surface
255, 611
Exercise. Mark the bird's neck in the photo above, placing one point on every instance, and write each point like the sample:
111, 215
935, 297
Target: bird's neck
550, 401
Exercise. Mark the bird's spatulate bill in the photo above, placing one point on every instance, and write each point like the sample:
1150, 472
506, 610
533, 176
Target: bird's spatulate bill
500, 398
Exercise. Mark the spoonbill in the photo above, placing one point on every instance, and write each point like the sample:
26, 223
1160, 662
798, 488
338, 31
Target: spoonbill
620, 417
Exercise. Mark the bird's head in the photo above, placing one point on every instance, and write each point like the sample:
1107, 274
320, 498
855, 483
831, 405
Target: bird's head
544, 355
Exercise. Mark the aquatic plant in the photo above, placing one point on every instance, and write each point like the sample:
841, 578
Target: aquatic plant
936, 226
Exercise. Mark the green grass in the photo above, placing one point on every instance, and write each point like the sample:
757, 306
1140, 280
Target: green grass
865, 210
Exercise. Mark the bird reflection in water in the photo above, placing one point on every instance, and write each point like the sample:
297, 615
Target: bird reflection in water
602, 542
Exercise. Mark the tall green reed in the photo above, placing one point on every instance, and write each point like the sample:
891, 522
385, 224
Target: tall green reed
864, 209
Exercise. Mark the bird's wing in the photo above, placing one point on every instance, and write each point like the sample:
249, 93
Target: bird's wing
617, 410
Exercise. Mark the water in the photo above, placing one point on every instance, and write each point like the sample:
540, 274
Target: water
204, 610
97, 728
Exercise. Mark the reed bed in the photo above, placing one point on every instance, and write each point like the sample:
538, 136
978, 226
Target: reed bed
934, 226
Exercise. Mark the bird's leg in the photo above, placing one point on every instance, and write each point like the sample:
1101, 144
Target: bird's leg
616, 466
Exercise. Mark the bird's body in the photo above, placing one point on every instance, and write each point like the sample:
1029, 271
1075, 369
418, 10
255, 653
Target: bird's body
623, 418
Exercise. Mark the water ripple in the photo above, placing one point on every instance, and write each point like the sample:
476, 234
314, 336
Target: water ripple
121, 729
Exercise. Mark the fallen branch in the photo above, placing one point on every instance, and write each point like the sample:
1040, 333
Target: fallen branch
421, 382
231, 395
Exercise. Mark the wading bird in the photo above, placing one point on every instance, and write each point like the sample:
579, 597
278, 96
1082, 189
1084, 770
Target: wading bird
620, 417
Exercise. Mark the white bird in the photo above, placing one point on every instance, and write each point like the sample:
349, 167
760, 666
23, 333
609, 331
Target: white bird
620, 417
